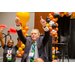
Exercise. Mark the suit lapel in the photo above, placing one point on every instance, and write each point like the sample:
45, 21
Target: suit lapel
38, 43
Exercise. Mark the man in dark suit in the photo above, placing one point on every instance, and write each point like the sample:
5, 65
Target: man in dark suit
41, 41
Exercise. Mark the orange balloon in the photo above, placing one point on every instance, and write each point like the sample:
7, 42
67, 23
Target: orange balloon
61, 12
50, 28
56, 41
53, 48
48, 24
21, 43
53, 56
24, 32
20, 49
57, 24
51, 17
50, 33
54, 20
57, 48
22, 46
52, 13
22, 52
19, 55
26, 28
56, 34
67, 15
56, 29
53, 33
73, 14
53, 41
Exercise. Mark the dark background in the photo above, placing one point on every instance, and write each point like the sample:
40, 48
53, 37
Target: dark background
67, 28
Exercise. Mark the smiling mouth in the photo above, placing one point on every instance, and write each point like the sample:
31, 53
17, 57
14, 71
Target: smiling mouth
34, 38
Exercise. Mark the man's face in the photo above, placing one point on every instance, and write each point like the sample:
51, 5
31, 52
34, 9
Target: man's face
34, 35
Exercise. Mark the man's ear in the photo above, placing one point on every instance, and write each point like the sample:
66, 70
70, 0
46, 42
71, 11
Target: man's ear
38, 35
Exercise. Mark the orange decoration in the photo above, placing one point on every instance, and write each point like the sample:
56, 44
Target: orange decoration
51, 17
56, 48
26, 28
50, 28
57, 29
24, 31
19, 55
52, 13
22, 52
55, 20
57, 24
53, 48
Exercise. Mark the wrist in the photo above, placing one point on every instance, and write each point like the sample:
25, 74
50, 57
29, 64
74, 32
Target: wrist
18, 27
17, 24
45, 28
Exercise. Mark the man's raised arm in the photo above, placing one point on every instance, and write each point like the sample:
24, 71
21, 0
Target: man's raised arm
19, 31
46, 30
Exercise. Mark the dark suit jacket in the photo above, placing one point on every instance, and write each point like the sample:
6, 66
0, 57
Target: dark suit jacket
41, 42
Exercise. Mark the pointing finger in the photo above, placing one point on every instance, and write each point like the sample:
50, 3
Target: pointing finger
40, 17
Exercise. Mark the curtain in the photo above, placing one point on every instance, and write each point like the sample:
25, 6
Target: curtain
67, 28
72, 39
64, 25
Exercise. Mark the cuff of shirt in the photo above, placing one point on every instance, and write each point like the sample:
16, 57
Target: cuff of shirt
45, 28
18, 27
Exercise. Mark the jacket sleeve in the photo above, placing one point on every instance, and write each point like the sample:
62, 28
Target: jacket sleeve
46, 37
21, 36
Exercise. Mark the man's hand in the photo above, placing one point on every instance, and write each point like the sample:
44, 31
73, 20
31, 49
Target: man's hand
17, 21
42, 21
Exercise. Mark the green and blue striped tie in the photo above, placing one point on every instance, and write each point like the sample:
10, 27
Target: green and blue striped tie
33, 51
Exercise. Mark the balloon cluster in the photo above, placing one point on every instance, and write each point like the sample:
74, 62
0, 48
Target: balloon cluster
72, 16
24, 17
51, 22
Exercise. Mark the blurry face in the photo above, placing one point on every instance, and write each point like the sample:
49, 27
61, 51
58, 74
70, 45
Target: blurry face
10, 43
34, 35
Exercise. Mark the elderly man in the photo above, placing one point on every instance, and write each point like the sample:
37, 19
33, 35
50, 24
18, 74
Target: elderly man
36, 41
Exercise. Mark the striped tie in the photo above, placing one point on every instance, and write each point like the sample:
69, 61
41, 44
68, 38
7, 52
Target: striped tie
33, 51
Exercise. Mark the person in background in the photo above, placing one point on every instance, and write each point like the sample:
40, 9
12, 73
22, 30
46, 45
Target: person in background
9, 54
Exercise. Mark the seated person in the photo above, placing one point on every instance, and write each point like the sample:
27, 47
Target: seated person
35, 41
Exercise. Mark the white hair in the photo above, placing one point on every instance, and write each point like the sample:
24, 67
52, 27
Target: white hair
36, 30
